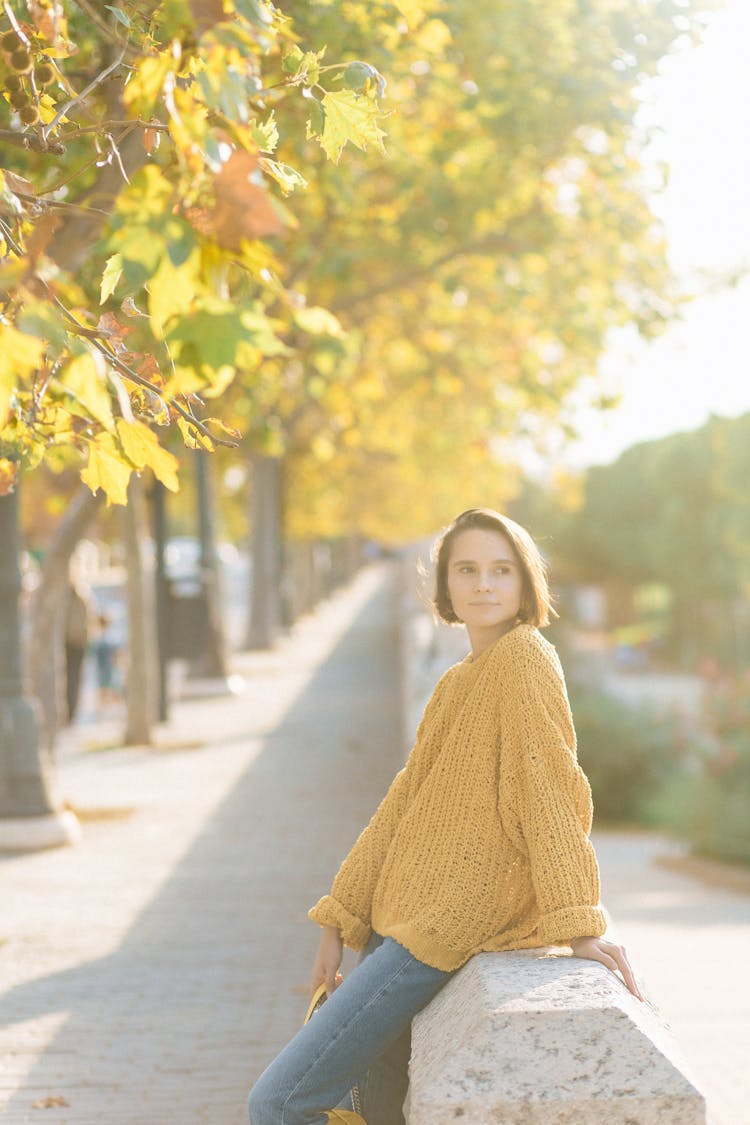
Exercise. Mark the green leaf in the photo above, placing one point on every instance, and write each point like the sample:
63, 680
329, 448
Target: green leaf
119, 15
291, 60
181, 240
211, 340
349, 118
266, 134
140, 249
110, 277
358, 74
255, 11
39, 318
317, 122
206, 339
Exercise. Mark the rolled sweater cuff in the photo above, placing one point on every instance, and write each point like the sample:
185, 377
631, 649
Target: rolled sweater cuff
560, 926
328, 911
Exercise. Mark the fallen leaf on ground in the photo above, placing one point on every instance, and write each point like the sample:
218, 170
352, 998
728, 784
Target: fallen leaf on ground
50, 1102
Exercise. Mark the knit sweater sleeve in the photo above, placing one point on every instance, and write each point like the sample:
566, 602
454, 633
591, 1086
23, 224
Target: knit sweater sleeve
546, 798
348, 906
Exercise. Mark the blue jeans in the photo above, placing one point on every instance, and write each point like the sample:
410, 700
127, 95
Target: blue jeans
362, 1035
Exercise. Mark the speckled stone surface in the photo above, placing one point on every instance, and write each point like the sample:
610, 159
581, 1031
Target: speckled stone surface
538, 1037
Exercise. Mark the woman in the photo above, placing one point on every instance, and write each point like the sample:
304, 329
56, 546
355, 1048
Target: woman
480, 844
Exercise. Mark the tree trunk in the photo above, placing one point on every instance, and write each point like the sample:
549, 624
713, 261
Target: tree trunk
266, 552
25, 773
45, 654
139, 693
213, 663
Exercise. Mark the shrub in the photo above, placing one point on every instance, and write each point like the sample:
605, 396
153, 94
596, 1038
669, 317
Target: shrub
712, 810
628, 754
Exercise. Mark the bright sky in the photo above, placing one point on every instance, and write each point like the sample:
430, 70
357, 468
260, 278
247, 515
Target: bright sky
700, 366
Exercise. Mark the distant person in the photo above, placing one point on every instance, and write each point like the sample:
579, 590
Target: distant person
480, 844
76, 643
105, 647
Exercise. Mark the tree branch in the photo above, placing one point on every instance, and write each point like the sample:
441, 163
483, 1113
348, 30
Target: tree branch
83, 94
95, 337
32, 142
105, 126
51, 204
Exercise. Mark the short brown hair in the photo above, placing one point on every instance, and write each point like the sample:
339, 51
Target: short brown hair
536, 601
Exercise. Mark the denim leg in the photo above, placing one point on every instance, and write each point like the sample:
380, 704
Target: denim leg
364, 1017
383, 1087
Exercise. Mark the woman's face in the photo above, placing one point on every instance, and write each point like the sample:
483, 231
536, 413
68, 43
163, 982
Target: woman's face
485, 581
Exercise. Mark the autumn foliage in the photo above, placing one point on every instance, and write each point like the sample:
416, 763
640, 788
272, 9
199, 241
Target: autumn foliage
186, 248
141, 208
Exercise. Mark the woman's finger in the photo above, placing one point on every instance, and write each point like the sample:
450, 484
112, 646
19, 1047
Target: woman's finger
625, 968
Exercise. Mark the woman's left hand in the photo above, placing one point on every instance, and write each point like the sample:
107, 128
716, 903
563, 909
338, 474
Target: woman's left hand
611, 955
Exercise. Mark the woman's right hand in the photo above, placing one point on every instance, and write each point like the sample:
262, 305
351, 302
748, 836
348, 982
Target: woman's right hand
327, 961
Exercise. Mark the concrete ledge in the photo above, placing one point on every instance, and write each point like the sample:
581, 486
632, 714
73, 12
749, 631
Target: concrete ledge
33, 833
539, 1037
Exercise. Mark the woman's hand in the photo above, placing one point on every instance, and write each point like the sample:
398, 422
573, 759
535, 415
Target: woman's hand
327, 961
611, 955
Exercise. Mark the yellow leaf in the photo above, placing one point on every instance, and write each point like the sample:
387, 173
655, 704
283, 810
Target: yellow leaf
171, 292
185, 381
5, 397
142, 447
86, 379
220, 380
349, 117
412, 11
106, 469
19, 355
8, 476
193, 438
146, 84
110, 277
318, 321
48, 110
434, 36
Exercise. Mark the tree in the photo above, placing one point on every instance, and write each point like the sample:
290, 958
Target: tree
476, 272
671, 511
151, 129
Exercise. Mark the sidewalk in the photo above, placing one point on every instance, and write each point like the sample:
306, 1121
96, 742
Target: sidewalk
689, 943
150, 973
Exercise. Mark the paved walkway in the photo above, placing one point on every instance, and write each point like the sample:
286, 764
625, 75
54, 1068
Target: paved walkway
689, 943
151, 972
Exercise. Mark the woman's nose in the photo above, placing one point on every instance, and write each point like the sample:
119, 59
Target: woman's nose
482, 582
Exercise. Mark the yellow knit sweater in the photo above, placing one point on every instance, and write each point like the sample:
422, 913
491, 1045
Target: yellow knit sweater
481, 842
